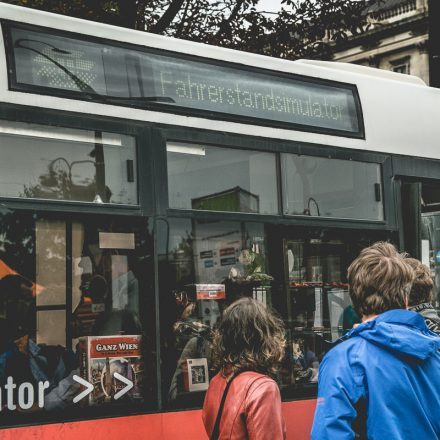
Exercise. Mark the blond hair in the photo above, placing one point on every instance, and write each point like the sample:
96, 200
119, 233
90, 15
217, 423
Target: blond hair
421, 290
380, 280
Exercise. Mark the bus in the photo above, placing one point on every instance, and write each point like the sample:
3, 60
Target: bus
147, 182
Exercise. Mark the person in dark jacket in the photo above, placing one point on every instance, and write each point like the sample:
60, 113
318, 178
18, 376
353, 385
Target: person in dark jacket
388, 365
420, 297
249, 340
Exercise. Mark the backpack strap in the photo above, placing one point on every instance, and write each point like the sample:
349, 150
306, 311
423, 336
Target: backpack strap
216, 431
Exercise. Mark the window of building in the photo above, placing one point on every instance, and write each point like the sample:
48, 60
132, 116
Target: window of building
67, 164
221, 179
76, 300
403, 68
401, 65
325, 187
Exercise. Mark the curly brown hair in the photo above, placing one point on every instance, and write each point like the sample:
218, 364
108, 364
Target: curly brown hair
421, 290
380, 280
250, 337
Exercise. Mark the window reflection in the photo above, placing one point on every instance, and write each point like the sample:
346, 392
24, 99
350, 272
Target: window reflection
52, 328
206, 266
67, 164
50, 255
325, 187
106, 288
221, 179
318, 305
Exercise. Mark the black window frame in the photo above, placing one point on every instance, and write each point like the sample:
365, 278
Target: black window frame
50, 117
77, 95
382, 161
231, 149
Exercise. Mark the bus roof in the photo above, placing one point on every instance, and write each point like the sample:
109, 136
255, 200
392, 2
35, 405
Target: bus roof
398, 110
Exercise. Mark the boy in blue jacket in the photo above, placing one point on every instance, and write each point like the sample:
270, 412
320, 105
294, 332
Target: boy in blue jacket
389, 365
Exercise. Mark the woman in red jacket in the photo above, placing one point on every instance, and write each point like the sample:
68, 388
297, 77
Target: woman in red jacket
248, 346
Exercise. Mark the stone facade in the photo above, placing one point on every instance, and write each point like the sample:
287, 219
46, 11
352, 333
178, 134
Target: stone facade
396, 40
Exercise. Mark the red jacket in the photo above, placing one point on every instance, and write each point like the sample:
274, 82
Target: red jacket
252, 409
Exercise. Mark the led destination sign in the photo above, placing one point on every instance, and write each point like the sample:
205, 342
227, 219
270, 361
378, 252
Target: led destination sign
124, 76
260, 96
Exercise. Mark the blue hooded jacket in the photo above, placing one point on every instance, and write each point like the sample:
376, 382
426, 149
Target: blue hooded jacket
392, 365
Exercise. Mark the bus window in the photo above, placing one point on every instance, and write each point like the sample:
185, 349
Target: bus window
325, 187
220, 179
318, 305
204, 267
310, 290
47, 162
76, 301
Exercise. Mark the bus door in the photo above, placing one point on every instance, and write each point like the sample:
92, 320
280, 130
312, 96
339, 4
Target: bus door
420, 236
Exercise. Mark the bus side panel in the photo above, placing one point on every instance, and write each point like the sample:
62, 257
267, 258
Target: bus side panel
299, 418
166, 426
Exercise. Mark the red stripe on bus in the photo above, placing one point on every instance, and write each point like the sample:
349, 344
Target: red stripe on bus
165, 426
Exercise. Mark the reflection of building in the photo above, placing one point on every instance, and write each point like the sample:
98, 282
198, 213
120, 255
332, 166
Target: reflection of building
236, 199
397, 39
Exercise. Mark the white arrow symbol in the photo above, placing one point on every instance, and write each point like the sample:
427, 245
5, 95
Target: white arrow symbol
88, 390
124, 390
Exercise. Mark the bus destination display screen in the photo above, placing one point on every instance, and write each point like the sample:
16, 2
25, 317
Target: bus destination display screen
144, 79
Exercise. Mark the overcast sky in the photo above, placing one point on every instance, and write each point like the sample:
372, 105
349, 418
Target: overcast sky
269, 5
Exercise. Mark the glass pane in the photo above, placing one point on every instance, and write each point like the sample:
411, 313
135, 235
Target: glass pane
221, 179
106, 289
109, 289
67, 164
324, 187
204, 266
317, 286
50, 252
105, 327
318, 309
66, 64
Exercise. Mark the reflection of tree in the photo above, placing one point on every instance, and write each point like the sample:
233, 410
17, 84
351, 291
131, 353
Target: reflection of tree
18, 237
57, 183
55, 50
17, 242
51, 256
183, 259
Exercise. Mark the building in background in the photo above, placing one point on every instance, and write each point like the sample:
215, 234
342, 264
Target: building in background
398, 39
